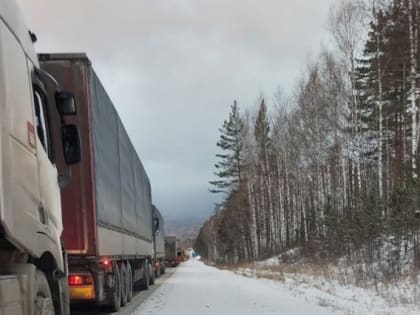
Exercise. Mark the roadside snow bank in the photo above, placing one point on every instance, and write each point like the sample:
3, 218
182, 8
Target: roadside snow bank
335, 286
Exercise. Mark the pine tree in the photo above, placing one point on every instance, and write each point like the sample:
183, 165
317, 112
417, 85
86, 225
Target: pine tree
263, 145
384, 82
229, 167
262, 131
371, 77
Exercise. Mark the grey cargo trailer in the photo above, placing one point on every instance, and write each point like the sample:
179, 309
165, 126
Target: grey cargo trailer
158, 242
171, 245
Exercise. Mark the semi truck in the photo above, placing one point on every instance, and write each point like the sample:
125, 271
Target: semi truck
33, 272
171, 245
158, 242
107, 207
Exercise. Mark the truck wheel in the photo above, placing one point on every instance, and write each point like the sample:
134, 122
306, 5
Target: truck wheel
123, 271
43, 303
116, 295
152, 274
158, 272
129, 282
145, 282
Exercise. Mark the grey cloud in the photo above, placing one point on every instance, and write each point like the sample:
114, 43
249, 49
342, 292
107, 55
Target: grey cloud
173, 67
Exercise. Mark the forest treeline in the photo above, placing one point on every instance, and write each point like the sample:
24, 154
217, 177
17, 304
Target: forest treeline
333, 168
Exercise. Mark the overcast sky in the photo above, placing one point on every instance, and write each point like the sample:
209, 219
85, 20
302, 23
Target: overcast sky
173, 67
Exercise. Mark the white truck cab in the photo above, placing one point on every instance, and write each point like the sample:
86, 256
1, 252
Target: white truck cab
32, 264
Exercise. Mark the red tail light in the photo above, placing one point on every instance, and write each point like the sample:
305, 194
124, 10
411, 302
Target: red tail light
75, 280
80, 280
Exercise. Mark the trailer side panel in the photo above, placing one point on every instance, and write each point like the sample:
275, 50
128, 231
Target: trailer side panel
123, 197
78, 201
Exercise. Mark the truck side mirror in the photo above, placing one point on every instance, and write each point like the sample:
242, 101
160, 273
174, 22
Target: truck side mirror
66, 104
71, 144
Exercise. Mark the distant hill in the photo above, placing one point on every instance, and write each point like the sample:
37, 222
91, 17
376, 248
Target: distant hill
185, 229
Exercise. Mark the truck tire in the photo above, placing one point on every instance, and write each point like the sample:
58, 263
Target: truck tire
123, 272
43, 303
145, 282
157, 272
116, 290
152, 274
129, 282
162, 267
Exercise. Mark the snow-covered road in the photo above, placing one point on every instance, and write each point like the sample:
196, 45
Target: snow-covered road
197, 289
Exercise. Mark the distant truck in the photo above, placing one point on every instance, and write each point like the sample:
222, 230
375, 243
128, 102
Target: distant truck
107, 207
171, 246
180, 255
189, 253
33, 272
159, 242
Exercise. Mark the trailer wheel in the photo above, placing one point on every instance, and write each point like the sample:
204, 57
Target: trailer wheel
157, 272
145, 282
152, 274
129, 282
43, 303
124, 276
116, 292
163, 269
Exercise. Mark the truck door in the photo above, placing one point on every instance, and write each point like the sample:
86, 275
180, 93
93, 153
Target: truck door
50, 205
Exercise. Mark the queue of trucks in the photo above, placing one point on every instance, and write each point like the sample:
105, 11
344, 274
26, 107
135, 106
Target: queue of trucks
77, 223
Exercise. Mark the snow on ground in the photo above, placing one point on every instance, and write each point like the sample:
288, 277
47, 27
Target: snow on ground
334, 286
196, 289
345, 299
